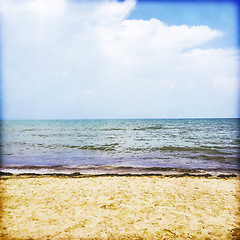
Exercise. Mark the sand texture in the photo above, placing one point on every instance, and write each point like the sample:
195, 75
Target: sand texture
113, 207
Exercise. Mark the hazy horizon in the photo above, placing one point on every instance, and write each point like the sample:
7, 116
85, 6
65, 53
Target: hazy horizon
59, 119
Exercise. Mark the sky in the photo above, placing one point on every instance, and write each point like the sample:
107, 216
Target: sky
74, 59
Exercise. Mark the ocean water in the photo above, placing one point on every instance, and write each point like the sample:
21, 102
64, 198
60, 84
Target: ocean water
113, 146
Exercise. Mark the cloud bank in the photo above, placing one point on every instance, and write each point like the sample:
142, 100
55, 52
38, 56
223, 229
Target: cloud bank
69, 59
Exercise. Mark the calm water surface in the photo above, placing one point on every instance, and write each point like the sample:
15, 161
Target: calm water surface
120, 145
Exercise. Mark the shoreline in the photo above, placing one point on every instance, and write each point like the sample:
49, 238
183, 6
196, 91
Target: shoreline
163, 175
112, 170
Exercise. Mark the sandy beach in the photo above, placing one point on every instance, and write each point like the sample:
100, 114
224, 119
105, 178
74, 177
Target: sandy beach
119, 207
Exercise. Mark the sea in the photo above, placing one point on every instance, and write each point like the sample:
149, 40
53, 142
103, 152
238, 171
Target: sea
120, 146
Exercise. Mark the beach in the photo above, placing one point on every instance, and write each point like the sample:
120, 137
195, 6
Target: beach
119, 207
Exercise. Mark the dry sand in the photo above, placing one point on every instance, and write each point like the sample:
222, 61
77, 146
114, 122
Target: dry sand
113, 207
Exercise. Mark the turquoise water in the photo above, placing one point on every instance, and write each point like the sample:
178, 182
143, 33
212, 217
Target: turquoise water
120, 145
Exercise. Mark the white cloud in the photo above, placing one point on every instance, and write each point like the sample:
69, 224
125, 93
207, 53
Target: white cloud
64, 59
154, 34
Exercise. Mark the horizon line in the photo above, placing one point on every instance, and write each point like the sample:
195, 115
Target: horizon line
55, 119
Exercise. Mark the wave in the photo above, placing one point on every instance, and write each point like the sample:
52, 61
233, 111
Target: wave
108, 169
112, 129
29, 130
211, 151
156, 127
207, 150
105, 147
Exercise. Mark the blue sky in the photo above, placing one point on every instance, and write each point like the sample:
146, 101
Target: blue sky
215, 14
65, 59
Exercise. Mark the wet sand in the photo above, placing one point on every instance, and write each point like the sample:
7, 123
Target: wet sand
119, 207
